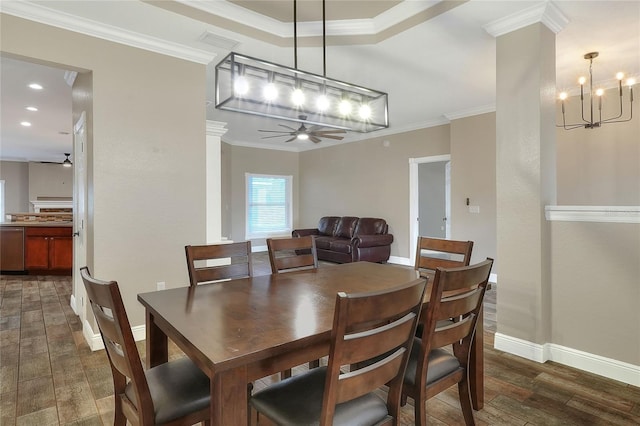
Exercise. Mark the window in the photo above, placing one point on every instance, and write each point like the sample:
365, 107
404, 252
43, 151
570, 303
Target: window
268, 205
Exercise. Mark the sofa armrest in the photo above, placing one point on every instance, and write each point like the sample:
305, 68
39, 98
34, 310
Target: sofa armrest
304, 232
372, 240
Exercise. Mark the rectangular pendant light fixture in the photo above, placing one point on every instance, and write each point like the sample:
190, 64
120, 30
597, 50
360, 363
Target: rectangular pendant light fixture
254, 86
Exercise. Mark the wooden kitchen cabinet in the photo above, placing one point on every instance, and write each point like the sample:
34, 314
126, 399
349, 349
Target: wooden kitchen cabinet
48, 249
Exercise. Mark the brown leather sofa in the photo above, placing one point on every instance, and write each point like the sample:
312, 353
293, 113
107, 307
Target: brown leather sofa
350, 239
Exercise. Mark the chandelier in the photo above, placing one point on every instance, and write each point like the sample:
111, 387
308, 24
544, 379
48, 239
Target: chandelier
590, 121
255, 86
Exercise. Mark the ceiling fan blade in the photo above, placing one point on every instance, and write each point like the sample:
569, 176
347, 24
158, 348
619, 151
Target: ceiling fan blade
338, 138
275, 131
314, 139
287, 127
290, 140
275, 136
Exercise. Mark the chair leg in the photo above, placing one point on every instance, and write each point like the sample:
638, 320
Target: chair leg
119, 419
465, 402
420, 411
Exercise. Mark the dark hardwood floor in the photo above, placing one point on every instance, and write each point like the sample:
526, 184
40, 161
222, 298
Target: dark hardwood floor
49, 376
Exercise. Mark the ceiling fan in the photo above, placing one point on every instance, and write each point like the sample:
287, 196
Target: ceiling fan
303, 133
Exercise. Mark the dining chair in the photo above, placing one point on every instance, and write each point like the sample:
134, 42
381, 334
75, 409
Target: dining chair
433, 253
209, 263
287, 254
173, 393
365, 325
292, 253
449, 320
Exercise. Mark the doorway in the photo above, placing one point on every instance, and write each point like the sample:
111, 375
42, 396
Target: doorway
429, 199
79, 215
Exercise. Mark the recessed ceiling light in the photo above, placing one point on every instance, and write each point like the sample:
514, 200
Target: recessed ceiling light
35, 86
31, 108
25, 123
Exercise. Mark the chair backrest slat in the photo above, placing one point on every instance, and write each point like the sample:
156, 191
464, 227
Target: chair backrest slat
378, 325
433, 253
292, 253
215, 262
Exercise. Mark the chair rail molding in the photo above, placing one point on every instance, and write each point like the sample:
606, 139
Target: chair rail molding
615, 214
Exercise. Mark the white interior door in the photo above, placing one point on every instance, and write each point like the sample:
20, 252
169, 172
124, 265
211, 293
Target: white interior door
444, 218
79, 214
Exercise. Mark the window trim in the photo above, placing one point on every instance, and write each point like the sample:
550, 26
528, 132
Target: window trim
288, 207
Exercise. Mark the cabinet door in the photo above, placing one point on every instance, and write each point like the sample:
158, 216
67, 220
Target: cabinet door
61, 253
36, 252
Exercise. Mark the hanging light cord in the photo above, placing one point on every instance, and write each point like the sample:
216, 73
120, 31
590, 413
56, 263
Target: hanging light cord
324, 44
295, 34
324, 37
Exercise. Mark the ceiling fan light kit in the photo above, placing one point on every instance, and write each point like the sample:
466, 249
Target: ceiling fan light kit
254, 86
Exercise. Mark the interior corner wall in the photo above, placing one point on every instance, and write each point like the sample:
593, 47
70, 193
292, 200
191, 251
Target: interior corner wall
147, 160
367, 179
473, 176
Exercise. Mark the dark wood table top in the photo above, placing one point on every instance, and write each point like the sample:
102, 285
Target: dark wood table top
234, 323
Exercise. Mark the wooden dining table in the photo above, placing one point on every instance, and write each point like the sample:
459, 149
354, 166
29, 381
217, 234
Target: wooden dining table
241, 330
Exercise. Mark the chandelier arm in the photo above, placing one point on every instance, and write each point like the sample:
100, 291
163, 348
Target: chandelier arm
623, 121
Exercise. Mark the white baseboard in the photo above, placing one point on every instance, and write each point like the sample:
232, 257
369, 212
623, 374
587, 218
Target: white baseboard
400, 260
602, 366
95, 340
257, 249
72, 302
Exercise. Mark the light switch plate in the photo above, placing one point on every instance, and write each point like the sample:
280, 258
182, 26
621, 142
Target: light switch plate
474, 209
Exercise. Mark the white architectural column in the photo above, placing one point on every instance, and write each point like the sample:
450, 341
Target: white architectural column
525, 171
215, 130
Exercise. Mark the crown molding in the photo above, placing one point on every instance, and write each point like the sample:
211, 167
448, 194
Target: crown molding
546, 12
351, 27
66, 21
469, 112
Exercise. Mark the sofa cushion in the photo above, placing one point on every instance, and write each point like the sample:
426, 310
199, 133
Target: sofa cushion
371, 226
323, 242
346, 227
341, 245
327, 225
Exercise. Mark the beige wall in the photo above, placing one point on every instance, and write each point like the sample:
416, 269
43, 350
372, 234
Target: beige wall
367, 179
601, 166
473, 176
596, 288
49, 180
241, 160
147, 160
16, 186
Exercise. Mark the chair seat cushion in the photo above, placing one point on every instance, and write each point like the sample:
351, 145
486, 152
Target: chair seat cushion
177, 388
298, 401
441, 363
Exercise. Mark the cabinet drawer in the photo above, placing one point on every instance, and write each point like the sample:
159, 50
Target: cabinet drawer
47, 231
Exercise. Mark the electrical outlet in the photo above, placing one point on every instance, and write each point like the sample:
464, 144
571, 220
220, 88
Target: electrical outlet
474, 209
160, 285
